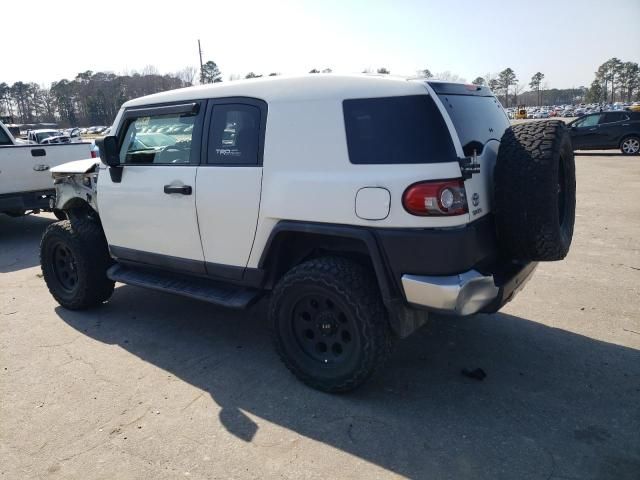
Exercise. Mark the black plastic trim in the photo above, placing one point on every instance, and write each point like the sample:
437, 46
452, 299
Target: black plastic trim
250, 277
362, 234
158, 260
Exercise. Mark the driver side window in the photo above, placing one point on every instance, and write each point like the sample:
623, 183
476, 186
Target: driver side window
159, 140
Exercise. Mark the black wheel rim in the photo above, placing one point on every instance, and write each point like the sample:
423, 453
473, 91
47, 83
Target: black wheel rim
64, 267
323, 329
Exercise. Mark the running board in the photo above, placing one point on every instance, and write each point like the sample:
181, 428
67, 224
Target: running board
219, 293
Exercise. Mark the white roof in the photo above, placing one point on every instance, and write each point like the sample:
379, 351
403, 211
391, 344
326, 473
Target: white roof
282, 89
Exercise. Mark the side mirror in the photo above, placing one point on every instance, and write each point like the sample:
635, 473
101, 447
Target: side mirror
75, 133
108, 147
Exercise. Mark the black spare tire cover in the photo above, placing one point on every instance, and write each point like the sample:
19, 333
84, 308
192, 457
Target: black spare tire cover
535, 191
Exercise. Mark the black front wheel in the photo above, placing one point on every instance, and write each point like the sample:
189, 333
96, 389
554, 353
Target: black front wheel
74, 258
330, 327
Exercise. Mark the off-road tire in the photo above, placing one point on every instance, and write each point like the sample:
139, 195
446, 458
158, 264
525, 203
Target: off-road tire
535, 191
356, 299
86, 243
635, 143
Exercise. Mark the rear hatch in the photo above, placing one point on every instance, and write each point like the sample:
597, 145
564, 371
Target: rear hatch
480, 122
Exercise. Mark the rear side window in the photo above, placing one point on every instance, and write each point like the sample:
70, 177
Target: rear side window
476, 118
234, 138
395, 130
612, 117
4, 138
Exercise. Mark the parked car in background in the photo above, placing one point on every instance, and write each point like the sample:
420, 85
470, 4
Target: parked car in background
607, 130
25, 180
38, 136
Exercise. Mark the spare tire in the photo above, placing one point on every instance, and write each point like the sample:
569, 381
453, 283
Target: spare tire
535, 191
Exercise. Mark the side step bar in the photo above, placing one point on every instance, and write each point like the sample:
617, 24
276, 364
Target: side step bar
219, 293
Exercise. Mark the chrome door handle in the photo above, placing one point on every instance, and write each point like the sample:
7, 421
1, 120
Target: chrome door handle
41, 168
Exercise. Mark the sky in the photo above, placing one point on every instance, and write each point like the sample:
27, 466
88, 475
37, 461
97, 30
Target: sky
564, 39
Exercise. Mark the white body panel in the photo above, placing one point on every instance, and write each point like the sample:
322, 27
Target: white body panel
228, 201
306, 176
137, 214
20, 171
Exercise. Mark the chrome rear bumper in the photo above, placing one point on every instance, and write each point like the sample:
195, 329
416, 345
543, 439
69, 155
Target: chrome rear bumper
466, 293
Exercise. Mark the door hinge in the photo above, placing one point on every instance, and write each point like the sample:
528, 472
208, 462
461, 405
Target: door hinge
469, 165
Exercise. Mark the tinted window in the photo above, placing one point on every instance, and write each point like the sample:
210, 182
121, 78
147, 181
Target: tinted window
4, 138
476, 118
588, 121
234, 136
396, 130
611, 117
160, 139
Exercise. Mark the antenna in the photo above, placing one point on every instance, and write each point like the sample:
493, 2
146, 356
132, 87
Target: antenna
200, 52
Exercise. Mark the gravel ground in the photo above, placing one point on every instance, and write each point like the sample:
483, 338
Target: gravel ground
153, 386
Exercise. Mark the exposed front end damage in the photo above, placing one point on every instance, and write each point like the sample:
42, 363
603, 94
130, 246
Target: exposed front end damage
76, 185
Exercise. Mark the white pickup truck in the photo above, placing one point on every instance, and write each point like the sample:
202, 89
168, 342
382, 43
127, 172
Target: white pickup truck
25, 180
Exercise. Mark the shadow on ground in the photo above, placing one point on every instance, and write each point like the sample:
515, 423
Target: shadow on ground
612, 153
554, 404
20, 241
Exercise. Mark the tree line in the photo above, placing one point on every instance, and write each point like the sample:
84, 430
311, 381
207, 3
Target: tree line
94, 98
91, 98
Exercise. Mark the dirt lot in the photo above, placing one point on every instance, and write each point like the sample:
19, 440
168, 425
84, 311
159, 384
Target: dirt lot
153, 386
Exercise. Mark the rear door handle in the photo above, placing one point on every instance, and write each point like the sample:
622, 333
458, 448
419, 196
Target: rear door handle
41, 168
181, 189
38, 152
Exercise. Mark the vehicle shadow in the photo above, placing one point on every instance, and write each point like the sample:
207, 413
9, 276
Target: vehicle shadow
582, 153
20, 241
554, 403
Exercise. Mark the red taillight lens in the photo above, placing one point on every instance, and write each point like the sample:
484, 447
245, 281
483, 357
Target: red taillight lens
445, 197
94, 154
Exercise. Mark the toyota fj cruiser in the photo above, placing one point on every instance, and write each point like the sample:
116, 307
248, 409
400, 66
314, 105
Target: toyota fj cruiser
357, 204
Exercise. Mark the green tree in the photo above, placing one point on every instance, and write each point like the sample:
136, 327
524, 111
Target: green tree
536, 84
595, 92
479, 81
314, 70
384, 71
425, 73
210, 73
252, 75
629, 80
506, 78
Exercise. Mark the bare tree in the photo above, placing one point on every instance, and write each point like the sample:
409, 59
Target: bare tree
187, 74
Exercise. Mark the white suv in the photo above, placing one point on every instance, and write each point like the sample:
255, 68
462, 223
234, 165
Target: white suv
356, 203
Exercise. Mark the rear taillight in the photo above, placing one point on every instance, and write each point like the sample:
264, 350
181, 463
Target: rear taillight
443, 197
94, 154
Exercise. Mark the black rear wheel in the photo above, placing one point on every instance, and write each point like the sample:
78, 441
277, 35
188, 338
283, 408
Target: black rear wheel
330, 327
